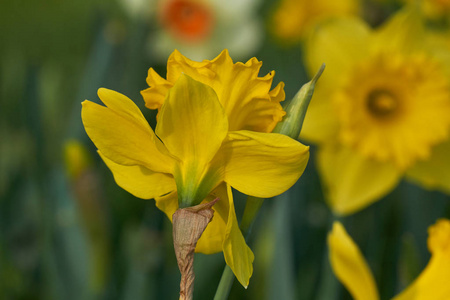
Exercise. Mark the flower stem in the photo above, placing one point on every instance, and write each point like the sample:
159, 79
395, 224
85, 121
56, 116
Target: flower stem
225, 284
251, 210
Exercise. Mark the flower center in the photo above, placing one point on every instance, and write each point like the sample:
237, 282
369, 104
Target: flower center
381, 103
394, 108
188, 20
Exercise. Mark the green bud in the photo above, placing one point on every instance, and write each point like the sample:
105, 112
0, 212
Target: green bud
296, 108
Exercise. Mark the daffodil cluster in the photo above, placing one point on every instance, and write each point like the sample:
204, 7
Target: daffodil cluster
212, 134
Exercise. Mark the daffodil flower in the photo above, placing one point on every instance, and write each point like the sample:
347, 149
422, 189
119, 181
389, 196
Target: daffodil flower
293, 19
199, 29
353, 271
381, 111
193, 156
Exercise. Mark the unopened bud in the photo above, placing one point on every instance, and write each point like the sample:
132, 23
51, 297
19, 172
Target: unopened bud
291, 125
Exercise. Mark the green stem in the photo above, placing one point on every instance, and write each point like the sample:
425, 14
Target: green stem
225, 284
252, 208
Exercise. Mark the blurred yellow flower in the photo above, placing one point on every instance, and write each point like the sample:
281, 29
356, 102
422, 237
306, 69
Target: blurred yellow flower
435, 9
382, 109
246, 98
191, 156
352, 270
76, 157
293, 19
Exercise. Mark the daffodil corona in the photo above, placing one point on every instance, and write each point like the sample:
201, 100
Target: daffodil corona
382, 110
247, 99
195, 155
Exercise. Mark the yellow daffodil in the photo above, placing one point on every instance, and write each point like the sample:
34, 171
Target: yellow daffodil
193, 156
352, 270
382, 109
293, 19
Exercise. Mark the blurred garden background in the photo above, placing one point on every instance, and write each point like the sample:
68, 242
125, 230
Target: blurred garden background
67, 231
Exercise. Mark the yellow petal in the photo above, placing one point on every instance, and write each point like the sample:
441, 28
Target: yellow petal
192, 125
263, 164
122, 134
246, 98
249, 104
433, 173
352, 181
123, 106
349, 265
321, 123
432, 283
212, 238
178, 64
140, 181
403, 33
168, 203
156, 94
339, 43
238, 255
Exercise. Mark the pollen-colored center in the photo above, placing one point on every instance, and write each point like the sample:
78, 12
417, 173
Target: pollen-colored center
394, 108
381, 103
188, 20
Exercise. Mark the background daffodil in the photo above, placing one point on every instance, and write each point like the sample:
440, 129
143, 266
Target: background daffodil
353, 271
192, 156
293, 19
200, 29
381, 111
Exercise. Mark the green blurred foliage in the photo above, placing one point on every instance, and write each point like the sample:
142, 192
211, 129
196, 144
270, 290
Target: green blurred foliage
85, 238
